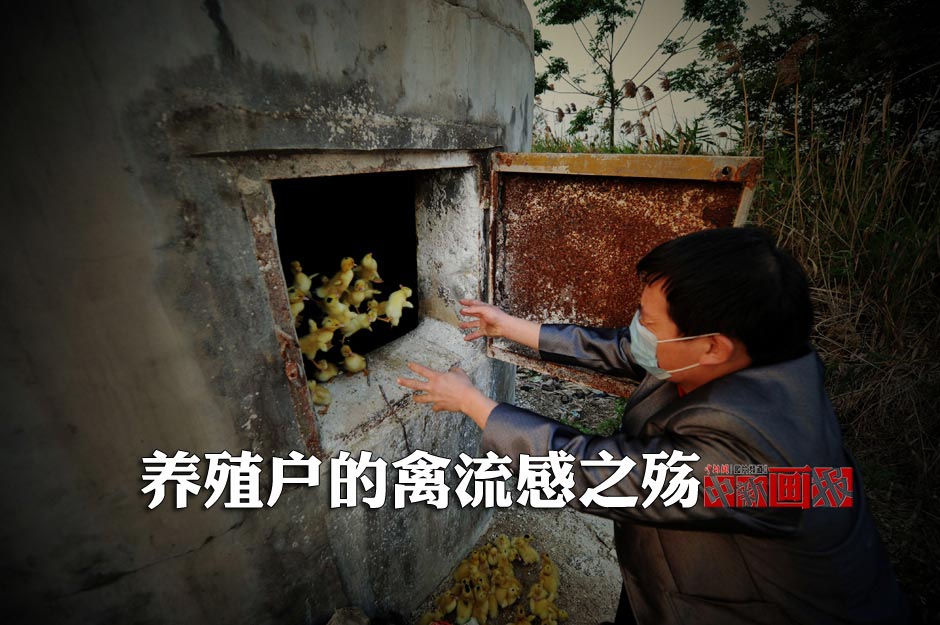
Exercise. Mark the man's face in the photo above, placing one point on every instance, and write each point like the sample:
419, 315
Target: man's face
654, 316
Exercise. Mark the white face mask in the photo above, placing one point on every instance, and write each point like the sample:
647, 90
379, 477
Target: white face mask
643, 345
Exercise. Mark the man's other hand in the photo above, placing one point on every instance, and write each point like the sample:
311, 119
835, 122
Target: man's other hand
452, 390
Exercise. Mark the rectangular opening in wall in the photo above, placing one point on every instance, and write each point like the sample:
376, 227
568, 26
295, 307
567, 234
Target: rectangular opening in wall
320, 221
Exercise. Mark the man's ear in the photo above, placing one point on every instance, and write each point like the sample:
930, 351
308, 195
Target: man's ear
720, 350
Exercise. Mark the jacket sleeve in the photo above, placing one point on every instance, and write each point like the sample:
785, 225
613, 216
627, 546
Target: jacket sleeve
512, 431
606, 350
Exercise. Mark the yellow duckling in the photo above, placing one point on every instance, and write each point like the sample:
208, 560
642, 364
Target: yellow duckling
548, 582
352, 362
320, 394
302, 281
513, 592
319, 339
550, 572
493, 603
368, 269
492, 555
551, 616
359, 292
361, 321
524, 550
340, 281
339, 311
500, 588
538, 601
484, 566
481, 604
296, 298
465, 569
505, 547
326, 371
469, 568
521, 618
546, 560
465, 605
447, 602
504, 565
397, 301
554, 614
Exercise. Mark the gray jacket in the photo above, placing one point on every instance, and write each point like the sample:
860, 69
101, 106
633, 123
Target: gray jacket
716, 564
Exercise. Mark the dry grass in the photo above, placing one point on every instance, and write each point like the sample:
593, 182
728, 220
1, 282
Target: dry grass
863, 216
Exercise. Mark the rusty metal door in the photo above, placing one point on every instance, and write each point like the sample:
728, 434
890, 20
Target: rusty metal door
566, 232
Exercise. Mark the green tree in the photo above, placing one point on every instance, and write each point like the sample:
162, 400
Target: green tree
613, 21
806, 66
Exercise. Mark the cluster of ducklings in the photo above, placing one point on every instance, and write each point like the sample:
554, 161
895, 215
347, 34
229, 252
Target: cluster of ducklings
340, 298
486, 582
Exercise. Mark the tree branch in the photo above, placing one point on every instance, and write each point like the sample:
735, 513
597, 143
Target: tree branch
573, 27
656, 49
661, 65
629, 32
573, 86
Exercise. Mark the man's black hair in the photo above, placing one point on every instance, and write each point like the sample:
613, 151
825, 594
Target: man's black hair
737, 282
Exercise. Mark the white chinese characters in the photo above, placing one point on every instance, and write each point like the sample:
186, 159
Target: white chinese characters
421, 478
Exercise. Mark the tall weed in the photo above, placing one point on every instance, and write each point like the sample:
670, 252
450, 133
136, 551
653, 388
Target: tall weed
862, 213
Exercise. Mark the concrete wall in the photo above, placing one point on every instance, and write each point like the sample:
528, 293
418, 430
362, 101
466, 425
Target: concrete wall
135, 316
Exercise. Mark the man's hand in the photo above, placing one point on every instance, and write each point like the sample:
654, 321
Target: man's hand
451, 391
491, 321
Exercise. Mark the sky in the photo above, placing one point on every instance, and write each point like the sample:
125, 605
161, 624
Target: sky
653, 23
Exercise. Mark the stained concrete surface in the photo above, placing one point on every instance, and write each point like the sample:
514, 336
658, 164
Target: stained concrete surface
135, 314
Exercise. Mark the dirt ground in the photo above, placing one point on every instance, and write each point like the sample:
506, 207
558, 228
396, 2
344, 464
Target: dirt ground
580, 544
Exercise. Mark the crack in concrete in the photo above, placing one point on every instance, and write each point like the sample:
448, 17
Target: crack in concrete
105, 579
394, 415
601, 541
477, 14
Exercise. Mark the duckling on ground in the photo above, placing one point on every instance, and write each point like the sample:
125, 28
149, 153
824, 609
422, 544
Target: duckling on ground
320, 394
524, 550
352, 362
325, 371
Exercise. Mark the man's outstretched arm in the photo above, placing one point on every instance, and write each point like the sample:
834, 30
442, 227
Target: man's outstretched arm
606, 350
603, 349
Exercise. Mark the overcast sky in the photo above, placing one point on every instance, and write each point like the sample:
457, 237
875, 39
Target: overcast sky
654, 22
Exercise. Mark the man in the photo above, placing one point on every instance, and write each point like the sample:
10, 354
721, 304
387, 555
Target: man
721, 346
